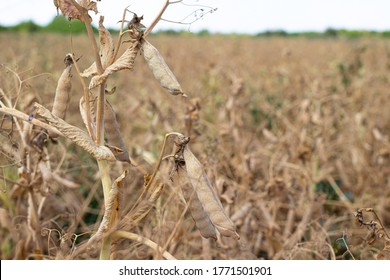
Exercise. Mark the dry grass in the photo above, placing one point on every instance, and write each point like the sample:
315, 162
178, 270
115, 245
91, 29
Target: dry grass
294, 133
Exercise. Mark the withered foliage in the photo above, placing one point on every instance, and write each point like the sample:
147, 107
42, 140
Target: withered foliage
69, 10
75, 134
291, 134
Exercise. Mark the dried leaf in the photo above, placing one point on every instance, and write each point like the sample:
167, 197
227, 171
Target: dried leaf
90, 71
198, 213
106, 50
62, 95
111, 213
106, 44
69, 10
57, 5
83, 113
160, 69
126, 61
113, 134
89, 5
207, 195
75, 134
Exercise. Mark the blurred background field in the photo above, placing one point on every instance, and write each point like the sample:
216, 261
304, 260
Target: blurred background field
293, 133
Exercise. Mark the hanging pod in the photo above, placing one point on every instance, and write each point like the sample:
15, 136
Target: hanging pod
62, 95
160, 69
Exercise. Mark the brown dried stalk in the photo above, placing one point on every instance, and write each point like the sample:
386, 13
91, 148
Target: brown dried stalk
159, 15
143, 240
372, 225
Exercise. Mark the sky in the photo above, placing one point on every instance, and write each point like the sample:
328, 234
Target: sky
231, 16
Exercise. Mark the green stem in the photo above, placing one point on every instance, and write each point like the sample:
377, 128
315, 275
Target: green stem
106, 249
105, 177
106, 184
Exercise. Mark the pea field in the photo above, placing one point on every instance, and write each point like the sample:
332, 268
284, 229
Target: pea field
292, 134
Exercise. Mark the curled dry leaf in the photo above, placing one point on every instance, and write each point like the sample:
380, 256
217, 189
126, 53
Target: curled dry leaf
75, 134
111, 213
198, 213
90, 71
106, 44
62, 95
106, 50
160, 69
126, 61
69, 10
83, 113
89, 5
113, 134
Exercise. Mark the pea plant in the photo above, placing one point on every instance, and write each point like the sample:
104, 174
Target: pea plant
103, 140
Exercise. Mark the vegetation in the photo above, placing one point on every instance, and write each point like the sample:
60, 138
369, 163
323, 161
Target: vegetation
61, 24
293, 133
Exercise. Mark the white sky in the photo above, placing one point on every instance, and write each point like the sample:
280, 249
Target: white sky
241, 16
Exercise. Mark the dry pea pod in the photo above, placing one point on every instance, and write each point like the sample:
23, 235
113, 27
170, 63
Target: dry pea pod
160, 69
207, 195
83, 113
62, 96
198, 213
113, 134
